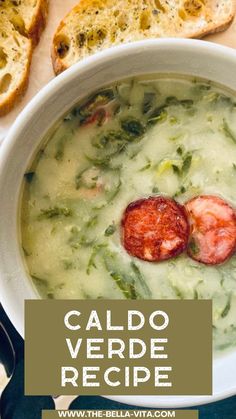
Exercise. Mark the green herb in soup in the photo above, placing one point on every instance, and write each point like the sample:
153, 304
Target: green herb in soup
158, 137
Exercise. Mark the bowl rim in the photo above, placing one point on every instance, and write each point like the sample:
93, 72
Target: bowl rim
35, 104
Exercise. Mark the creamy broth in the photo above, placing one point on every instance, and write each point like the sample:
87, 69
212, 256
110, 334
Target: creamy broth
138, 138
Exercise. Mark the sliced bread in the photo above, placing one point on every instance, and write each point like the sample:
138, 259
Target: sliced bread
15, 59
27, 16
21, 23
93, 25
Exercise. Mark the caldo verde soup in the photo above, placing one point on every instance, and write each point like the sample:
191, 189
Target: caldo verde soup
133, 196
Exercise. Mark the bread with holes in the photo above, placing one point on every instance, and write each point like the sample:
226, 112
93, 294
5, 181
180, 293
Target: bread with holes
94, 25
21, 23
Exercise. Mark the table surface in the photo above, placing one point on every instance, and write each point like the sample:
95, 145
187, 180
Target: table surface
14, 405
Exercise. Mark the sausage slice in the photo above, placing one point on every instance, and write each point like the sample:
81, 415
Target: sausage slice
213, 229
155, 229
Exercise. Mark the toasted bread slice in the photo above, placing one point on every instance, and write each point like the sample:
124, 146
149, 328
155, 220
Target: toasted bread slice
21, 23
94, 25
27, 16
15, 59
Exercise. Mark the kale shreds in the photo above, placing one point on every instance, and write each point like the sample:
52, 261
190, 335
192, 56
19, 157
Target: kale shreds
186, 103
193, 247
172, 100
155, 189
115, 192
178, 292
54, 212
187, 163
68, 264
146, 167
59, 154
92, 222
148, 101
140, 279
228, 132
158, 115
113, 140
123, 282
80, 180
103, 162
133, 127
110, 230
180, 191
29, 176
111, 143
127, 288
40, 281
81, 237
196, 296
226, 101
91, 262
179, 151
227, 308
176, 169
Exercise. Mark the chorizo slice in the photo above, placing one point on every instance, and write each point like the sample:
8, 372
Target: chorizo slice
212, 229
155, 229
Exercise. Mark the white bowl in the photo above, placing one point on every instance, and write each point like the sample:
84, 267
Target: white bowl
178, 56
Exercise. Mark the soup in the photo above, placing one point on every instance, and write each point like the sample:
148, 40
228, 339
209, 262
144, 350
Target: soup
148, 139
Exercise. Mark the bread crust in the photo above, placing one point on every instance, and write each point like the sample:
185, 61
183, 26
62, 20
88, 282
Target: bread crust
60, 65
33, 35
39, 22
214, 28
15, 96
